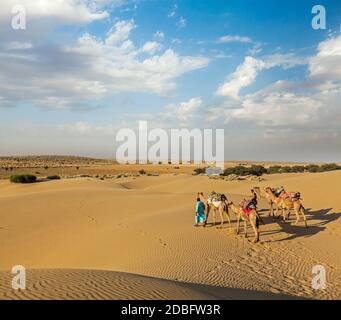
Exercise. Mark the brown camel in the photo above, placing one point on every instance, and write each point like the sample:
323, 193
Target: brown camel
217, 206
252, 217
271, 199
285, 202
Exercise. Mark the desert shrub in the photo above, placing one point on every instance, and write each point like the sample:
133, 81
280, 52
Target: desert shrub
313, 168
199, 170
330, 167
142, 171
298, 169
286, 169
23, 178
255, 170
274, 169
55, 177
46, 167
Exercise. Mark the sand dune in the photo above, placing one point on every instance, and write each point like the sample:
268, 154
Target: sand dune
145, 227
67, 284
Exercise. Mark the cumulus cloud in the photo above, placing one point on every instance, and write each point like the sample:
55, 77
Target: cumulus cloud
185, 111
326, 64
301, 117
151, 47
244, 75
80, 74
66, 11
246, 72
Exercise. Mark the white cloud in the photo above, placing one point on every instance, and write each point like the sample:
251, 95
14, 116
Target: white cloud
182, 22
244, 75
185, 111
151, 47
119, 33
173, 12
18, 46
308, 108
159, 35
278, 109
236, 38
326, 64
67, 11
81, 74
247, 72
85, 128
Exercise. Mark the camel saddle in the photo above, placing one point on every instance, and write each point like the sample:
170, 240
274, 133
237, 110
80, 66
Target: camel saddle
290, 195
216, 197
247, 206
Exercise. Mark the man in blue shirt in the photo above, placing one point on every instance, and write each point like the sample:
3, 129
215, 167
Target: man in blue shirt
199, 212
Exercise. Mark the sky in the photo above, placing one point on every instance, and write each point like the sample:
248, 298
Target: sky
83, 69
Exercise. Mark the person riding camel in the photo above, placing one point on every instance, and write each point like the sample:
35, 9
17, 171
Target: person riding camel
248, 204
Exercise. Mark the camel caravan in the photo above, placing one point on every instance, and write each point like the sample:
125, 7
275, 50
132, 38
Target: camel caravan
247, 210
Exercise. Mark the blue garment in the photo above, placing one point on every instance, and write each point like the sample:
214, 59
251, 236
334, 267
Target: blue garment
200, 212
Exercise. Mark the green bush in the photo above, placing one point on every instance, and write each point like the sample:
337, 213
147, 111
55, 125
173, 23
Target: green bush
313, 168
254, 170
330, 167
55, 177
298, 168
23, 178
274, 169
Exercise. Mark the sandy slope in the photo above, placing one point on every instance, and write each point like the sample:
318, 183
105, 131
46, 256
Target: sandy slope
145, 227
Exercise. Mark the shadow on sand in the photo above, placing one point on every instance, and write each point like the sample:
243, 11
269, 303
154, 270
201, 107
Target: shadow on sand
324, 216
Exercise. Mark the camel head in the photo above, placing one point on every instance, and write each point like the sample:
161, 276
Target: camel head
268, 190
256, 189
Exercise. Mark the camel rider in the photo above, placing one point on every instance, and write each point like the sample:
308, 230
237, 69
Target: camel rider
250, 203
278, 191
199, 212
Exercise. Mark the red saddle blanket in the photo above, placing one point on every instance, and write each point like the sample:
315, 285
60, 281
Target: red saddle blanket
291, 195
247, 210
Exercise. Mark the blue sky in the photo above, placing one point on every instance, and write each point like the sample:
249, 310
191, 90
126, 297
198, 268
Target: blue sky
84, 69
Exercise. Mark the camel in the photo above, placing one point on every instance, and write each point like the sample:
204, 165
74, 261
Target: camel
252, 217
217, 206
271, 199
288, 203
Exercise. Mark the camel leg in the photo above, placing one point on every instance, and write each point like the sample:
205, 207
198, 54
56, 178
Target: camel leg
271, 211
276, 215
227, 215
245, 229
221, 212
304, 216
297, 216
283, 213
255, 229
208, 212
238, 222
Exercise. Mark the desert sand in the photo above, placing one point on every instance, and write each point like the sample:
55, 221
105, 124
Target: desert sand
133, 238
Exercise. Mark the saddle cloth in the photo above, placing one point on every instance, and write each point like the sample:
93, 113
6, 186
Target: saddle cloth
290, 195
